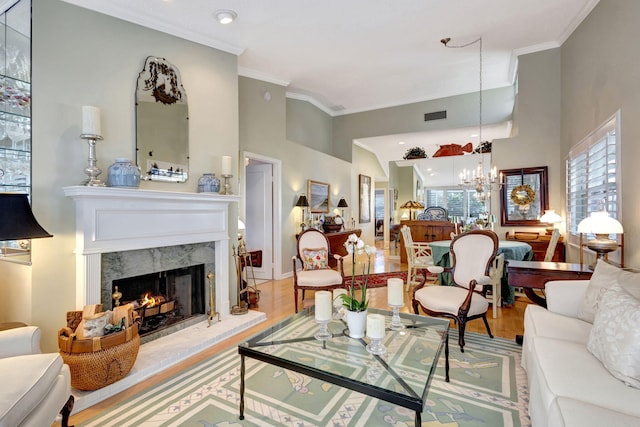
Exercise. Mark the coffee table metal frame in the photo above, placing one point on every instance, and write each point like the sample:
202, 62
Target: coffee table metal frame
416, 325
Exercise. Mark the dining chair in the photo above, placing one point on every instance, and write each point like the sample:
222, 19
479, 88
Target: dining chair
418, 257
313, 251
553, 242
472, 255
496, 272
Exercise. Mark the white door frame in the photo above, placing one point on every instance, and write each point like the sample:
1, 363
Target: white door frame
277, 204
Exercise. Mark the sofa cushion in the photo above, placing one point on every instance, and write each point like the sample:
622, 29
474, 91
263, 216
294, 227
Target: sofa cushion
539, 322
567, 412
604, 275
26, 382
615, 336
567, 369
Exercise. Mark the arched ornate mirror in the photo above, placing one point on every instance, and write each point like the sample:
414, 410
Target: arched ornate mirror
162, 123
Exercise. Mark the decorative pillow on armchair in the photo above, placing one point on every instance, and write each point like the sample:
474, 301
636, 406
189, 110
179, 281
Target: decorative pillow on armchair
615, 336
314, 259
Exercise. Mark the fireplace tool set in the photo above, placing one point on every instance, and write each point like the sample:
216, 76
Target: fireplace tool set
211, 313
246, 294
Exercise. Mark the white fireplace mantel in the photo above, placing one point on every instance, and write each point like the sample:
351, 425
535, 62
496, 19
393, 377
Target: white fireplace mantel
120, 219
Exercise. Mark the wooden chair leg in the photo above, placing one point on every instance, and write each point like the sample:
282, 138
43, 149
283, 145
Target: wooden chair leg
295, 296
462, 324
66, 411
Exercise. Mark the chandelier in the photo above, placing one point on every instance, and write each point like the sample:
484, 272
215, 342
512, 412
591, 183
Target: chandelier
481, 182
476, 178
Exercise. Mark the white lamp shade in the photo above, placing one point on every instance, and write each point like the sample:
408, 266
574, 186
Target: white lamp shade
550, 217
241, 226
600, 223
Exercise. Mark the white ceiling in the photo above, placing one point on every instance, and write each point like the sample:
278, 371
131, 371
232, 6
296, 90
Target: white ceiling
358, 55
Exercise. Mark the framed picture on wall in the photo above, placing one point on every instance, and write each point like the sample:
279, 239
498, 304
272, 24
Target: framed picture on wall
524, 196
318, 194
365, 198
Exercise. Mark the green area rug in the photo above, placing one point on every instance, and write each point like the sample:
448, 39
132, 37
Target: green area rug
488, 388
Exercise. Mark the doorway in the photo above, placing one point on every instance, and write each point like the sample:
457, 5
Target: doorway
261, 208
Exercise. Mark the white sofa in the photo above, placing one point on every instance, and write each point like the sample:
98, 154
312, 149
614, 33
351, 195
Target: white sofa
568, 385
36, 387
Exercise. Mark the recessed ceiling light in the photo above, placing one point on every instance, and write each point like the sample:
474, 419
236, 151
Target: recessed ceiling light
225, 16
401, 143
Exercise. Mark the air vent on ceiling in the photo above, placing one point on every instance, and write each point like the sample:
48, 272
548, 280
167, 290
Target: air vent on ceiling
437, 115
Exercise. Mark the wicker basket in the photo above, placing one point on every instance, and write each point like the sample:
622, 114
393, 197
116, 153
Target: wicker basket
98, 362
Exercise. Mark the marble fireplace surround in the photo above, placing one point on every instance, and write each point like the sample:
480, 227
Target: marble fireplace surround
122, 219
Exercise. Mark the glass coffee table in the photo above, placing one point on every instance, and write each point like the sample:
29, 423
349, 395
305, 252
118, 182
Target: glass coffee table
402, 375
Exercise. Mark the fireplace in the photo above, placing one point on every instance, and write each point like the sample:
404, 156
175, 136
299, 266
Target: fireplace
163, 299
121, 221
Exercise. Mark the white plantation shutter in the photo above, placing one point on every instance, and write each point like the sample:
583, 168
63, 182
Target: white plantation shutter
593, 176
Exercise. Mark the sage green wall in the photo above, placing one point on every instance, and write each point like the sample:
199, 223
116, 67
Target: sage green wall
538, 122
263, 131
84, 58
601, 74
309, 126
462, 110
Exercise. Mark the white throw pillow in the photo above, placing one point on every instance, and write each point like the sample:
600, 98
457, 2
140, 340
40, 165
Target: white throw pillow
604, 276
630, 282
615, 336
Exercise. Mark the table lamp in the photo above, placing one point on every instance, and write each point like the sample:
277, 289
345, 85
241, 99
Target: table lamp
552, 218
304, 204
16, 219
602, 225
342, 204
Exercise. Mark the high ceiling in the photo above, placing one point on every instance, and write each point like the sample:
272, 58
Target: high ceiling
358, 55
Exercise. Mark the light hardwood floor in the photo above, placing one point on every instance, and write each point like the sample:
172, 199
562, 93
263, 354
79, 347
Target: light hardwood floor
276, 300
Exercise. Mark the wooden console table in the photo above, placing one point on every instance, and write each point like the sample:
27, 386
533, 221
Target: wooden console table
531, 275
426, 231
336, 243
539, 243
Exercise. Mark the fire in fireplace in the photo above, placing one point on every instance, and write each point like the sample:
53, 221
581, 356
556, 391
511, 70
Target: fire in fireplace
165, 298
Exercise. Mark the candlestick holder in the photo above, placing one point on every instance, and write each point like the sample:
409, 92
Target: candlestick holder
323, 333
227, 185
396, 324
376, 346
92, 170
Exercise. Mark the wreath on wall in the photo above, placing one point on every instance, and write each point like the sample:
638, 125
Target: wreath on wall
523, 195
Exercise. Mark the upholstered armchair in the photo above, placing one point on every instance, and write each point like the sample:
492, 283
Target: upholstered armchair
313, 251
36, 387
472, 255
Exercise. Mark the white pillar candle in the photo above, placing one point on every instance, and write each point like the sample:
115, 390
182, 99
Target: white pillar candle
226, 165
375, 326
323, 306
395, 291
337, 300
91, 120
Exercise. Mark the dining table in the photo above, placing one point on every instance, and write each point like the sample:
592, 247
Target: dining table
513, 250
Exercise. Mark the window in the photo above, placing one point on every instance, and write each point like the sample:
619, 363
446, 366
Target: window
593, 176
458, 202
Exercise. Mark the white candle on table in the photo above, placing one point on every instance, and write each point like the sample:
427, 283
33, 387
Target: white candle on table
375, 326
323, 306
395, 291
226, 165
337, 300
91, 120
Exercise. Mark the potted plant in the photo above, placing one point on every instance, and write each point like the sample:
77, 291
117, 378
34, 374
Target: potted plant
415, 153
356, 309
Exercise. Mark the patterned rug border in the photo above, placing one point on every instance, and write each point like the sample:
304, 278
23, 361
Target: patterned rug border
205, 395
377, 280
